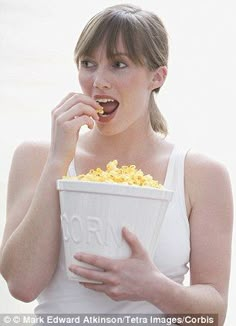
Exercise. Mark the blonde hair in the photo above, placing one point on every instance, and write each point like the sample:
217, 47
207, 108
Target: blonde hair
144, 37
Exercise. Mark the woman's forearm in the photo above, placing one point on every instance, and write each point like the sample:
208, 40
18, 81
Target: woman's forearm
173, 298
30, 255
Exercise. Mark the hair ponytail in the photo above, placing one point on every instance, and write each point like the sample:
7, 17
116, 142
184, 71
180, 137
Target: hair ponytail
157, 120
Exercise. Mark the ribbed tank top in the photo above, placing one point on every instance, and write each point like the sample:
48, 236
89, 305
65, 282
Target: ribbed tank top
171, 257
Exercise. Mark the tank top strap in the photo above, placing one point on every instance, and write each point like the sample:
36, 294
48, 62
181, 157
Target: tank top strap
175, 170
71, 169
170, 168
180, 164
175, 179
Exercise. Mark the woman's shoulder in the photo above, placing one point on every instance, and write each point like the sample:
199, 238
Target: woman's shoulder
35, 150
30, 157
201, 164
204, 174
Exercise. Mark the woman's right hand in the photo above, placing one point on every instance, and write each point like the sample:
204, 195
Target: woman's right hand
74, 111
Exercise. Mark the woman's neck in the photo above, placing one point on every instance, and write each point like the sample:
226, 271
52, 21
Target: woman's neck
127, 147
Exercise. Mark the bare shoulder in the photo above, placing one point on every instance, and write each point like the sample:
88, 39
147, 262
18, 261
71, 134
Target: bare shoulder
205, 175
27, 164
32, 150
29, 158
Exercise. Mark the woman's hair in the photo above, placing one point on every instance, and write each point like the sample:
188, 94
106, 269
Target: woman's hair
144, 38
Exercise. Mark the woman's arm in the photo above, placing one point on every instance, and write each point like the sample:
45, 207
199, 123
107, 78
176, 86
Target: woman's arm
30, 244
210, 195
209, 191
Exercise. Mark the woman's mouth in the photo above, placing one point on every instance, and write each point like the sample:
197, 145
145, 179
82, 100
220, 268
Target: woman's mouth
109, 109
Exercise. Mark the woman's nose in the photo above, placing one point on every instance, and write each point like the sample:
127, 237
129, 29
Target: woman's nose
100, 81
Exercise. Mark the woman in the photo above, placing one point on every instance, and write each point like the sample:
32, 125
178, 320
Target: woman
122, 58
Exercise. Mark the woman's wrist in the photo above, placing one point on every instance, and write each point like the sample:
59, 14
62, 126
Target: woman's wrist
57, 166
164, 292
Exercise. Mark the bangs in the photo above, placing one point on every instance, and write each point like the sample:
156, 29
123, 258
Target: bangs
107, 32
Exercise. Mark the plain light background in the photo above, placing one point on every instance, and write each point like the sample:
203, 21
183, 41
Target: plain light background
37, 40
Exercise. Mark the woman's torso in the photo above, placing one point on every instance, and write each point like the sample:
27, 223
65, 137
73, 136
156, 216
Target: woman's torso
171, 257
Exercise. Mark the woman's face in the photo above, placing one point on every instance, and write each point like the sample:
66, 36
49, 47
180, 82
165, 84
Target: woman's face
121, 87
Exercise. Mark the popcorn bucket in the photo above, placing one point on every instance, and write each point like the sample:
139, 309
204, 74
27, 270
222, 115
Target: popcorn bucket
93, 215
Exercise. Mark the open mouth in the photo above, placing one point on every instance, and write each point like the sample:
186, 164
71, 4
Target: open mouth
109, 106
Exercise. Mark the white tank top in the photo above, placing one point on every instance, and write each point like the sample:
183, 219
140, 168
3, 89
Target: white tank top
63, 296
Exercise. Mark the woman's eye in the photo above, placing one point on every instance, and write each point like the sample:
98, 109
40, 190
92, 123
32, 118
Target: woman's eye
119, 64
86, 64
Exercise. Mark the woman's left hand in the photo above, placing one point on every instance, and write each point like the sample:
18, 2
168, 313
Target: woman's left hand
121, 279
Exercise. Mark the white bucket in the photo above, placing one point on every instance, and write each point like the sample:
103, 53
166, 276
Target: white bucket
93, 214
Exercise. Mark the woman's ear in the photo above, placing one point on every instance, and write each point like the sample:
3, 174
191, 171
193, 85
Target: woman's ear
158, 77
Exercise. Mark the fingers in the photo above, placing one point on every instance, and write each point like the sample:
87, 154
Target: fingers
102, 276
133, 242
95, 287
89, 274
73, 126
77, 111
64, 100
71, 100
97, 261
74, 111
76, 106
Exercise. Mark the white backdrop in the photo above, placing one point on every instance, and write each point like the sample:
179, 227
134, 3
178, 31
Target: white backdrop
37, 39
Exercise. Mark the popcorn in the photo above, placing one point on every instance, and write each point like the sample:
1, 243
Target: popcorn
126, 174
100, 110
